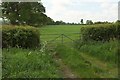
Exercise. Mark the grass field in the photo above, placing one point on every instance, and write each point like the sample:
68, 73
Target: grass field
49, 33
91, 60
59, 29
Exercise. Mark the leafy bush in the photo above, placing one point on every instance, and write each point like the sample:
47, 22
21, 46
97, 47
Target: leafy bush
20, 36
103, 32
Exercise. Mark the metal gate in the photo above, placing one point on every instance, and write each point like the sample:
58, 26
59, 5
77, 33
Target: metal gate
63, 38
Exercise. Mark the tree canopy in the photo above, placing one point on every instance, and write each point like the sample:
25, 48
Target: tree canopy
89, 22
20, 13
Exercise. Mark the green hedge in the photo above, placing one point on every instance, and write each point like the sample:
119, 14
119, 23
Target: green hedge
103, 32
20, 36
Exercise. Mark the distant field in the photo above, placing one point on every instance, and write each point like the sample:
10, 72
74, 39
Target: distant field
50, 32
58, 29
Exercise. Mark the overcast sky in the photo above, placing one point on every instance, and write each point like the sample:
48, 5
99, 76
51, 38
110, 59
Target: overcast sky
75, 10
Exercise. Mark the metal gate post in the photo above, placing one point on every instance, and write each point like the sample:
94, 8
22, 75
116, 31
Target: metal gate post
62, 38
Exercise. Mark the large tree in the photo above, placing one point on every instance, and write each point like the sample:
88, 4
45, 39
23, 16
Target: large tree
20, 13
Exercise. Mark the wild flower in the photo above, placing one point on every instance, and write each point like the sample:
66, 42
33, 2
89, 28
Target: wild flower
29, 53
43, 48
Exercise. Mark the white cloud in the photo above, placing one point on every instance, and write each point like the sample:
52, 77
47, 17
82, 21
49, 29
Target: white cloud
61, 10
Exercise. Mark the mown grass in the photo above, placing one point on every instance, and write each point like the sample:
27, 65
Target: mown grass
58, 29
68, 30
24, 63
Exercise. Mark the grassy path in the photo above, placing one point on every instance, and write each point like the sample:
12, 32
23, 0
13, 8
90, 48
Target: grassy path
83, 65
64, 69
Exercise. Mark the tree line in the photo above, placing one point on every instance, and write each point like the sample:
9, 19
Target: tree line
33, 14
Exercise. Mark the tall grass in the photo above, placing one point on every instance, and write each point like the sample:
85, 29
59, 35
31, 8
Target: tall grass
23, 63
81, 66
105, 51
72, 59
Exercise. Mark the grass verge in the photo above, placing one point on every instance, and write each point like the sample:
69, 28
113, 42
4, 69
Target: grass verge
24, 63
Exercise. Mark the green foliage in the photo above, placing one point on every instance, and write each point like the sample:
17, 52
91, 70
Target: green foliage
76, 63
89, 67
30, 13
103, 32
99, 22
41, 64
25, 63
89, 22
20, 36
106, 52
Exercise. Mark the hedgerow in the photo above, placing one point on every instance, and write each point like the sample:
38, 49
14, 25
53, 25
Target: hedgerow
20, 36
103, 32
